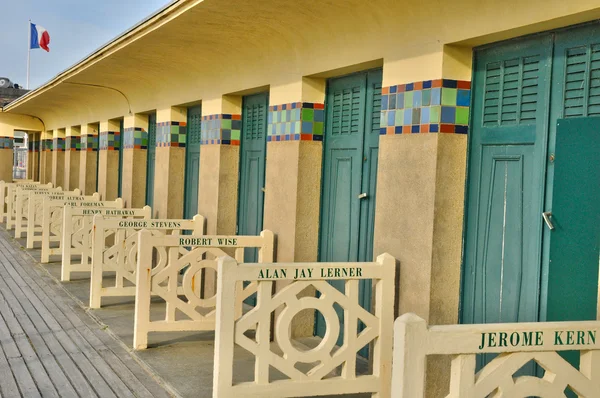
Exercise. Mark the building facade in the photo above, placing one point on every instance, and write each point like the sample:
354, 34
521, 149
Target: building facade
458, 137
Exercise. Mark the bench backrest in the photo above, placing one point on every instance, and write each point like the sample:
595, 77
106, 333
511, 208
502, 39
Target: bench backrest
78, 227
190, 257
21, 206
52, 218
515, 344
120, 256
311, 372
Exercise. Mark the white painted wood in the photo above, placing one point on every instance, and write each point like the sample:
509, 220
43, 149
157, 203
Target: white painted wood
11, 203
310, 372
3, 193
191, 254
516, 343
121, 256
35, 212
22, 206
52, 218
78, 233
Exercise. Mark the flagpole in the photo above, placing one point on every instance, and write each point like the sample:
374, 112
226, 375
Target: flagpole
28, 51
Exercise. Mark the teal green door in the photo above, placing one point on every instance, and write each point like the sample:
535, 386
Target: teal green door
120, 149
151, 159
192, 161
575, 219
532, 214
502, 259
350, 154
253, 148
253, 145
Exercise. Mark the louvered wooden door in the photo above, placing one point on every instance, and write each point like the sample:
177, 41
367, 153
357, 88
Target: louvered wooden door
192, 161
252, 167
151, 159
535, 101
502, 260
350, 154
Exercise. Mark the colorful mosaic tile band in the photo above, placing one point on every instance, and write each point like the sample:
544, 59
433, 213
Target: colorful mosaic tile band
89, 143
110, 140
33, 146
46, 144
298, 121
431, 106
170, 134
58, 144
73, 143
221, 128
6, 142
135, 138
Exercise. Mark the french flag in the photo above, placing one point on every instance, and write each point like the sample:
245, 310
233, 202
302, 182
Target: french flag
39, 37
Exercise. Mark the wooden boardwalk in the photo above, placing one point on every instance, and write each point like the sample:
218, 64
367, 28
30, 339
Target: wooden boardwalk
49, 346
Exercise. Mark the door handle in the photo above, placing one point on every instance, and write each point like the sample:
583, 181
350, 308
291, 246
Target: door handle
547, 215
362, 195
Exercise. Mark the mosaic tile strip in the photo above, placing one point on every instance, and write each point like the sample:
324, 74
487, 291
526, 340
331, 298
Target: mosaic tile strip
73, 143
110, 140
46, 144
170, 134
221, 128
135, 138
33, 146
89, 143
58, 144
298, 121
6, 142
431, 106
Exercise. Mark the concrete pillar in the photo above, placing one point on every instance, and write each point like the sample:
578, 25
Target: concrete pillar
88, 158
293, 176
420, 186
135, 157
219, 165
33, 156
108, 159
6, 152
72, 157
46, 157
169, 170
58, 158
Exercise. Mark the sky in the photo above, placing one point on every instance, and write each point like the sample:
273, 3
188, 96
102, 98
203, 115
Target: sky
76, 27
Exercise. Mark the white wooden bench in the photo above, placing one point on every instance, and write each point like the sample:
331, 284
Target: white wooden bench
191, 255
52, 218
78, 235
306, 372
35, 213
22, 206
516, 344
11, 193
3, 188
120, 257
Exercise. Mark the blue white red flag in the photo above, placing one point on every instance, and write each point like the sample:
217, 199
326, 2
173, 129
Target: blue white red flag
39, 37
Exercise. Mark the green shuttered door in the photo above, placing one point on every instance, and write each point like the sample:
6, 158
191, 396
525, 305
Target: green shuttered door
192, 161
533, 149
252, 167
349, 170
502, 263
151, 164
